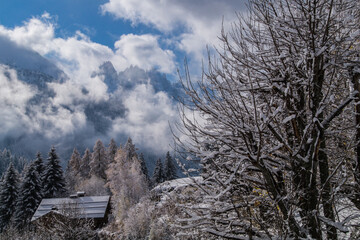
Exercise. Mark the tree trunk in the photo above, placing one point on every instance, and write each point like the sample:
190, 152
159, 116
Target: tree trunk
326, 191
355, 81
355, 195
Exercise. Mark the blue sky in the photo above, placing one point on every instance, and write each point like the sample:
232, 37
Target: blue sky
71, 16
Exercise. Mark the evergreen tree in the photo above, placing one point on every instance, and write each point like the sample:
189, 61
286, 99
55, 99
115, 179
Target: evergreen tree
98, 163
85, 164
144, 169
6, 157
2, 179
39, 167
19, 162
130, 149
169, 168
54, 182
158, 173
29, 196
8, 196
111, 151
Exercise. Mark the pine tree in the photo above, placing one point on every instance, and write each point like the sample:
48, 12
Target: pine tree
4, 160
111, 151
169, 168
130, 149
29, 196
158, 173
8, 196
6, 157
54, 182
85, 164
144, 169
98, 163
39, 167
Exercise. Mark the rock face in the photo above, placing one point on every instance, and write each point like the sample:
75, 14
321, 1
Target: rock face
133, 76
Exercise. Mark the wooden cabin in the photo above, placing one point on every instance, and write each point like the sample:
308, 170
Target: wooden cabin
75, 207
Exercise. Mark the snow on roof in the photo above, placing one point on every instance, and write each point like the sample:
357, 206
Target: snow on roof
81, 207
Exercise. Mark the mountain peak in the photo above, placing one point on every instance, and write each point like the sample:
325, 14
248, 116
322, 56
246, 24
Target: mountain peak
107, 67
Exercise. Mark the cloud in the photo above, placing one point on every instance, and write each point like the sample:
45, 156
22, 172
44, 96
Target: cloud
78, 56
33, 119
144, 51
36, 34
22, 57
20, 117
52, 90
147, 121
39, 110
14, 95
201, 20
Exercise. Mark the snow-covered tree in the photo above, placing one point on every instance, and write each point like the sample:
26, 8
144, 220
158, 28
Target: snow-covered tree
158, 174
111, 150
93, 186
85, 164
73, 170
5, 160
98, 162
268, 118
144, 169
39, 166
29, 196
126, 182
169, 168
6, 157
54, 184
8, 196
74, 162
130, 149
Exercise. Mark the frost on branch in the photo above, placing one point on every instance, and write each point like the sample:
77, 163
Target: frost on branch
273, 123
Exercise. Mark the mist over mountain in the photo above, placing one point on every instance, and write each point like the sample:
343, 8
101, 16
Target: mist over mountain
42, 106
29, 61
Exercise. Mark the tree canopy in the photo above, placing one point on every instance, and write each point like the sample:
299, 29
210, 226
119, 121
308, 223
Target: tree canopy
54, 184
273, 121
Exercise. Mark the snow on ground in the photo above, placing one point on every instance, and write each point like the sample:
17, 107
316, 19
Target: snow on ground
177, 183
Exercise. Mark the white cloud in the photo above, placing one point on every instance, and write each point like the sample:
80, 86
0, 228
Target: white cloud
65, 114
78, 56
55, 124
14, 96
144, 51
147, 121
36, 34
201, 19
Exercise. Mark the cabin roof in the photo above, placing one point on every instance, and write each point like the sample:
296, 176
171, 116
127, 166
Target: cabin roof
80, 207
